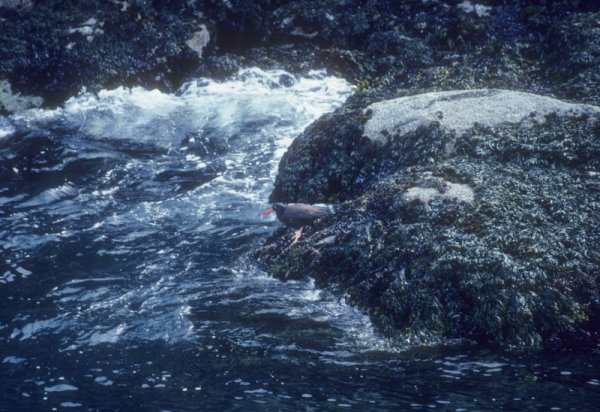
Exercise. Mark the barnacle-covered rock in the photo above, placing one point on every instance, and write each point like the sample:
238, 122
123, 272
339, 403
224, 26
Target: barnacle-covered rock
463, 214
575, 57
54, 49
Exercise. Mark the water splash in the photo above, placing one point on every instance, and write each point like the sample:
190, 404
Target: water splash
136, 210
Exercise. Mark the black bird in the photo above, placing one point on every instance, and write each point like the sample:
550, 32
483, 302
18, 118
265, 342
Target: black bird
296, 215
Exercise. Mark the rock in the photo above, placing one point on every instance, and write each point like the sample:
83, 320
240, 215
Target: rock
199, 40
574, 57
16, 3
55, 49
459, 111
453, 191
475, 224
303, 178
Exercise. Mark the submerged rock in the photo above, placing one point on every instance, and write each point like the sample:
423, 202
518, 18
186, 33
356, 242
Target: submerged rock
463, 215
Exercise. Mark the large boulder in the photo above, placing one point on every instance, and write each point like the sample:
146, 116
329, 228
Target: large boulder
464, 214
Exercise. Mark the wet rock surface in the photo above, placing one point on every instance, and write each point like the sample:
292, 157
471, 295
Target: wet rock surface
454, 229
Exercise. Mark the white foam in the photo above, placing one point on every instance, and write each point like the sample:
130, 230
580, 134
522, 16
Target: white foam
24, 272
13, 359
103, 380
273, 105
68, 404
303, 300
6, 130
14, 102
151, 116
51, 195
63, 387
109, 336
31, 330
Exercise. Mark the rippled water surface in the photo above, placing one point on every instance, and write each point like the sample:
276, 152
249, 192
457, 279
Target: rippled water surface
125, 219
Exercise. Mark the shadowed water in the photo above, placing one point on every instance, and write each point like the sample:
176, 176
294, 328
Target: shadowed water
125, 219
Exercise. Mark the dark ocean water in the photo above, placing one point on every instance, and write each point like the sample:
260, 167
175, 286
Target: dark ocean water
125, 221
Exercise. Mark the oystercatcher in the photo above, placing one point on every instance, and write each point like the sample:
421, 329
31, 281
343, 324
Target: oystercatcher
296, 215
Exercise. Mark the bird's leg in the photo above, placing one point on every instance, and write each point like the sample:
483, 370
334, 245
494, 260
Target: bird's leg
297, 235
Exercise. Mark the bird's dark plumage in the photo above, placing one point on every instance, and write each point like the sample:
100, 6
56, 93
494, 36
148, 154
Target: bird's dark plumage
297, 215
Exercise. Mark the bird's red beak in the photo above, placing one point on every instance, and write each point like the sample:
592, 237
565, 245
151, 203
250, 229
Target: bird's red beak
266, 212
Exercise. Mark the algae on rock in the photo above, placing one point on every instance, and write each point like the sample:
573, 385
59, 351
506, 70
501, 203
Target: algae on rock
481, 231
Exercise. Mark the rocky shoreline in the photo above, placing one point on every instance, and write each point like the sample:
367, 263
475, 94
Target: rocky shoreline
465, 167
52, 50
462, 215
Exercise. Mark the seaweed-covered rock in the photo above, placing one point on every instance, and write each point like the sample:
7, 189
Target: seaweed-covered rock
575, 57
54, 49
464, 215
